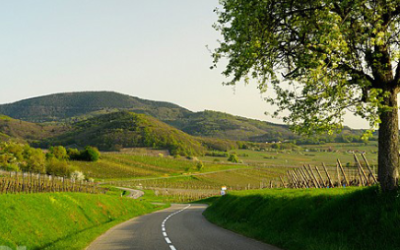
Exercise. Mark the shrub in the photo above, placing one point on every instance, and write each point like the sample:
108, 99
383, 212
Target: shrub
90, 154
58, 152
233, 158
73, 154
77, 175
35, 161
59, 167
199, 165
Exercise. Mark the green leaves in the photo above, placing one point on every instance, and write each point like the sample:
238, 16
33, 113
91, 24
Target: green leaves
322, 58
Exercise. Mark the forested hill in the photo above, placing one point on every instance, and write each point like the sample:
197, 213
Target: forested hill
126, 129
81, 105
225, 126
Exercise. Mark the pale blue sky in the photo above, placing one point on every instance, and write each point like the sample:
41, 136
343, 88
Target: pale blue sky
153, 49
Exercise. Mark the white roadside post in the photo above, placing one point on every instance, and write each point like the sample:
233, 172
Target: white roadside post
223, 190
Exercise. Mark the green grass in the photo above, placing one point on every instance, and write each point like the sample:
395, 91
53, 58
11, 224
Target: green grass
127, 166
63, 220
235, 179
306, 154
329, 219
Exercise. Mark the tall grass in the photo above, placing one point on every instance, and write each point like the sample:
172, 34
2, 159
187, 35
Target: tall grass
331, 219
62, 220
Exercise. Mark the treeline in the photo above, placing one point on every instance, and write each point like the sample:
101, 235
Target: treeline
112, 132
56, 161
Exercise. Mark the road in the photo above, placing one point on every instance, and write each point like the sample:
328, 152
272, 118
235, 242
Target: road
133, 194
180, 227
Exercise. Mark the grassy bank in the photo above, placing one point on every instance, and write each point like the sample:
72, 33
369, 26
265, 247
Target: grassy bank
329, 219
62, 220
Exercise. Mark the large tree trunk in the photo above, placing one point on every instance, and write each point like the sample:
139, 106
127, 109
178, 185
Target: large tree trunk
388, 157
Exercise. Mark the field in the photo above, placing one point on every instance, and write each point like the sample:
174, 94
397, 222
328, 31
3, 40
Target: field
179, 180
127, 166
310, 219
307, 154
63, 220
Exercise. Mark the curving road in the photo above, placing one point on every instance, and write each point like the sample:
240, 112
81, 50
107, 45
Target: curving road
180, 227
133, 193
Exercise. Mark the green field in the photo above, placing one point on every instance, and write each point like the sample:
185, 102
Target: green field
63, 220
311, 219
128, 166
307, 154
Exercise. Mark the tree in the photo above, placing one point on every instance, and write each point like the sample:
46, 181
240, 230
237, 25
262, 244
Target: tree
58, 152
321, 58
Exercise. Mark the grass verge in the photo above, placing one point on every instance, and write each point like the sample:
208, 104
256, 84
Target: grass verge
63, 220
329, 219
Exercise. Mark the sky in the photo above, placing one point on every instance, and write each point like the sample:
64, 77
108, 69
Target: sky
153, 49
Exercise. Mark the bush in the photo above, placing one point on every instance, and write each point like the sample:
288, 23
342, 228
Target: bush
73, 154
233, 158
77, 175
59, 168
35, 161
199, 165
88, 154
58, 152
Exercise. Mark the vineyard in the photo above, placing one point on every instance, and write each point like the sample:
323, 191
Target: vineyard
339, 176
235, 179
128, 166
15, 182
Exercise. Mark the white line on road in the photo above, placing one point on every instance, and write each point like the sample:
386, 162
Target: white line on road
163, 227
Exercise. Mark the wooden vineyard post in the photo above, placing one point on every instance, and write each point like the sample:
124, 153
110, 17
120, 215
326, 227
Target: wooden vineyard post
52, 183
320, 176
306, 176
361, 169
293, 180
311, 178
361, 183
271, 184
23, 182
338, 175
40, 184
369, 168
303, 177
327, 174
299, 181
283, 182
16, 182
312, 173
344, 174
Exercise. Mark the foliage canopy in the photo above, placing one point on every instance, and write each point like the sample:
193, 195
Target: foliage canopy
321, 57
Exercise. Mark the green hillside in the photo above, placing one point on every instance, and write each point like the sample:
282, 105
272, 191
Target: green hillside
307, 219
25, 131
71, 108
126, 129
63, 220
225, 126
80, 105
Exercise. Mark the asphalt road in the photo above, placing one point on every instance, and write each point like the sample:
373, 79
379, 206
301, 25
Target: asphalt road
134, 194
180, 227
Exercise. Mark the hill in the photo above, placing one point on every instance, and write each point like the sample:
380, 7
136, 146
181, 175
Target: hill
126, 129
25, 131
82, 105
70, 108
225, 126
